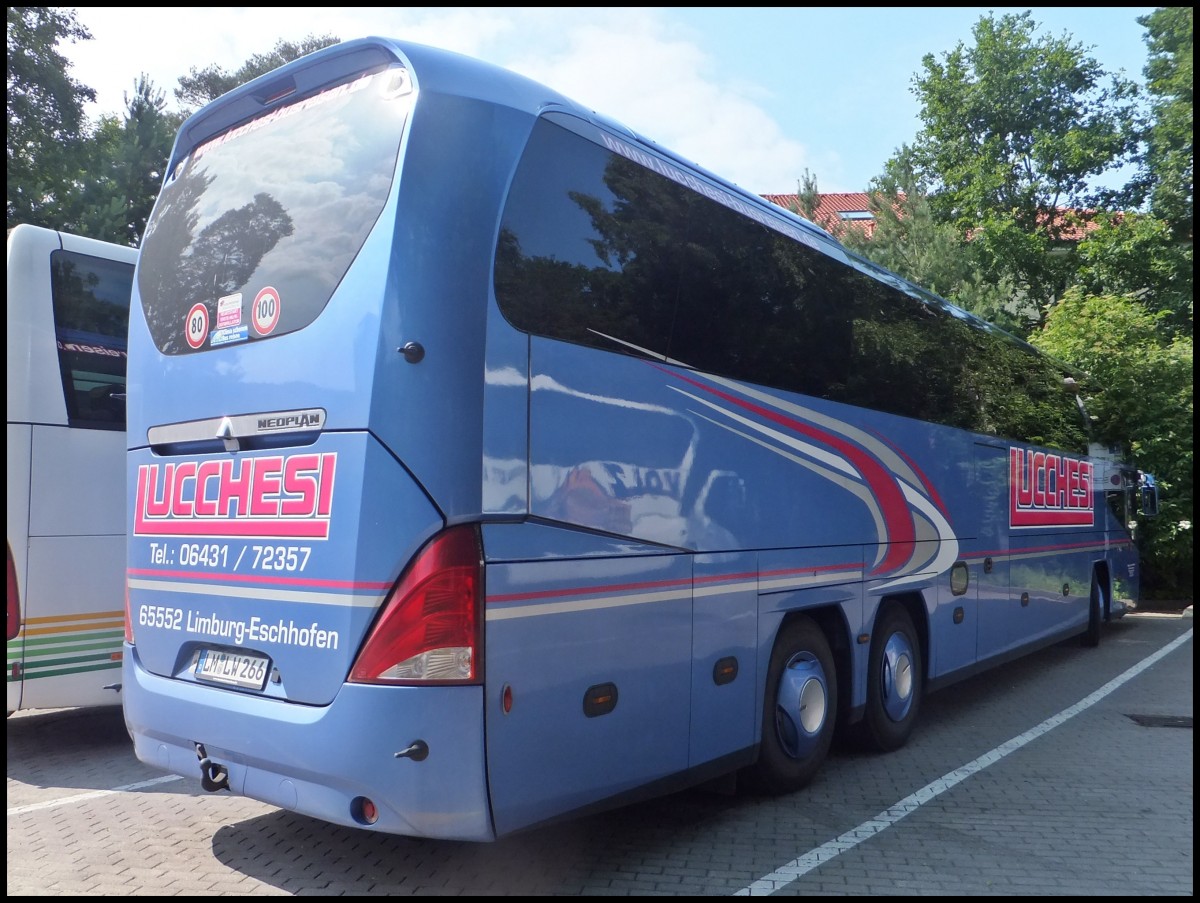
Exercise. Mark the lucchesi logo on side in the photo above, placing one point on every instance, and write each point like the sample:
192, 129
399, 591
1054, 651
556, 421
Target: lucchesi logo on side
1049, 490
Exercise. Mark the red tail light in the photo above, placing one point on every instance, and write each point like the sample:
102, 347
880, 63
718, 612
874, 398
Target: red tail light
429, 631
14, 599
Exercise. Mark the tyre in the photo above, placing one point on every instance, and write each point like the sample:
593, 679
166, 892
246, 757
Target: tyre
894, 681
1091, 636
799, 709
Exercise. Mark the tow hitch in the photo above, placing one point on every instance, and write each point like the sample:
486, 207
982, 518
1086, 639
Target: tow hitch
212, 776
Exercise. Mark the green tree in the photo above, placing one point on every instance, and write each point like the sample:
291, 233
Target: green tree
808, 199
1015, 127
203, 85
128, 156
1168, 171
909, 240
46, 122
975, 209
1136, 255
1019, 123
1143, 397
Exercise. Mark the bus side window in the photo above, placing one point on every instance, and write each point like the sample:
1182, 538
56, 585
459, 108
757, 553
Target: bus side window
91, 319
104, 403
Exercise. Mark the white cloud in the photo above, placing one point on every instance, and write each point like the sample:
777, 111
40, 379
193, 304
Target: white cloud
626, 64
667, 89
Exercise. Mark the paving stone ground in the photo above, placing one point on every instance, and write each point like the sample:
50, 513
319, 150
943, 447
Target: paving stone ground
1099, 805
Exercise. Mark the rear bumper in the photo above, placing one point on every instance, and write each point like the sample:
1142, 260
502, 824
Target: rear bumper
321, 760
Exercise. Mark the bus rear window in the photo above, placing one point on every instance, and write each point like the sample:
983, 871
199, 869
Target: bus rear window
254, 230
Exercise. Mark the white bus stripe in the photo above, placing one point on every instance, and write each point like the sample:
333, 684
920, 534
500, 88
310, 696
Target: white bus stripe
785, 583
248, 592
502, 613
720, 589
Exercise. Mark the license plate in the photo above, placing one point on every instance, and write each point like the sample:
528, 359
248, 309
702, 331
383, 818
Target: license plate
238, 669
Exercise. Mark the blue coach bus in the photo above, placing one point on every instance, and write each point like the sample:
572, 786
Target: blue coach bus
490, 464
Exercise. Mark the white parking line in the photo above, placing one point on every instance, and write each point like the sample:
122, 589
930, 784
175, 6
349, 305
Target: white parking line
91, 795
797, 868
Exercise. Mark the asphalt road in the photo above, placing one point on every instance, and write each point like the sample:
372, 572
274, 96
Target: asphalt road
1067, 772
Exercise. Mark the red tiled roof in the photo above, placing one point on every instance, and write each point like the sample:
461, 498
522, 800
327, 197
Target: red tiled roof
835, 212
846, 202
1077, 228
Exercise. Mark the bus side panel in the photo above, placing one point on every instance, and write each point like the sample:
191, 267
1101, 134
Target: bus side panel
73, 594
73, 622
724, 633
505, 419
998, 624
79, 474
437, 296
1057, 580
596, 654
631, 447
1035, 583
608, 450
954, 624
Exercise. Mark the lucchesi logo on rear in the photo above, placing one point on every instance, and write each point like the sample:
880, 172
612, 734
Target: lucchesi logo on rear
267, 497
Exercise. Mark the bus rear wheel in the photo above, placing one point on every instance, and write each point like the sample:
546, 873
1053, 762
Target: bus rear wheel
799, 709
894, 682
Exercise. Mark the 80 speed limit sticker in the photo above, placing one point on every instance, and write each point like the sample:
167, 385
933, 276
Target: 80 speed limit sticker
195, 327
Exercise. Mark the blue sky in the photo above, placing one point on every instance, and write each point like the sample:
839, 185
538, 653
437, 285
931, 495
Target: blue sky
755, 94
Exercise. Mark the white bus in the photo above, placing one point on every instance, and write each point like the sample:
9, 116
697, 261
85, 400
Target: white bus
68, 315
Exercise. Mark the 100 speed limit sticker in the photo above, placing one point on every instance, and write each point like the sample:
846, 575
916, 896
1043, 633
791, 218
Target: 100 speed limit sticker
265, 311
